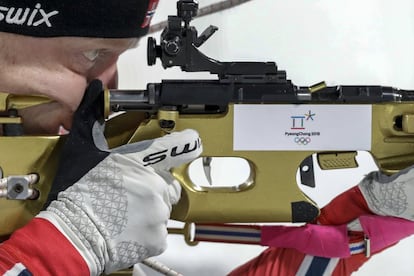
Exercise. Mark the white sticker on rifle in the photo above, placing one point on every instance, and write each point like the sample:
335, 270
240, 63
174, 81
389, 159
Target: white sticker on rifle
302, 127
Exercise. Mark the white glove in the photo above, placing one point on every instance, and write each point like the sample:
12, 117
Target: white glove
390, 195
116, 213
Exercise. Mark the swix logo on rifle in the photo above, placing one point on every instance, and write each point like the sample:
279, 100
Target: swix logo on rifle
152, 6
31, 17
175, 151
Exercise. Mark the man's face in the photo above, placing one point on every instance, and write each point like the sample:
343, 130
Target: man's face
59, 68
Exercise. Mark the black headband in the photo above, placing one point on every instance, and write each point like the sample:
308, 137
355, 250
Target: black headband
86, 18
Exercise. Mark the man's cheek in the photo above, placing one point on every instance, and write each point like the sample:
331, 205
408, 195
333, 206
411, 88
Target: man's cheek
69, 93
113, 82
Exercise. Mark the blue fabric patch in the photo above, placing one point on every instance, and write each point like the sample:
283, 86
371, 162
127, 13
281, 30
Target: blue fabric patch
318, 266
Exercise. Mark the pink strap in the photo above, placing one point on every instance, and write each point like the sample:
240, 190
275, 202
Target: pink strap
385, 231
318, 240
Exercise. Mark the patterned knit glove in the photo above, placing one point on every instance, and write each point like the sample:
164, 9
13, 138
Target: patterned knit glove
115, 203
390, 195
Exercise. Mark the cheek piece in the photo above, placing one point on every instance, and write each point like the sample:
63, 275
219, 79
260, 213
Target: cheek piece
92, 18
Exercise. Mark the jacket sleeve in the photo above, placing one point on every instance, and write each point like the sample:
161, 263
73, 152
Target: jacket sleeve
352, 201
39, 248
290, 262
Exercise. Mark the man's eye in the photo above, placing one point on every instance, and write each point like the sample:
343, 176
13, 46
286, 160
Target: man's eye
92, 55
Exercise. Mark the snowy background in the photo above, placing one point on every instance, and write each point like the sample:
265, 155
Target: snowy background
341, 42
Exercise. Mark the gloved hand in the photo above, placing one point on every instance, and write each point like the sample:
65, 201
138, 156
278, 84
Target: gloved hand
115, 203
390, 195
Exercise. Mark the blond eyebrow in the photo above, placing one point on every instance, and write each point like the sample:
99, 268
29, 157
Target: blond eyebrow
105, 44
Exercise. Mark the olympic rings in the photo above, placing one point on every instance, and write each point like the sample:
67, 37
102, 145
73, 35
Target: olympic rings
302, 140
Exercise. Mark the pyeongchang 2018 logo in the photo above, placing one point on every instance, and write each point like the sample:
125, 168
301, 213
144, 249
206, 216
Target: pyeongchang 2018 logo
298, 129
29, 16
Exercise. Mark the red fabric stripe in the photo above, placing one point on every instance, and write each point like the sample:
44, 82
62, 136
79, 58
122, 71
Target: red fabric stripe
43, 249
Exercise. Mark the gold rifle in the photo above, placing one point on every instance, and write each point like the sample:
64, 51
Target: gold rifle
271, 193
